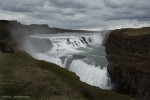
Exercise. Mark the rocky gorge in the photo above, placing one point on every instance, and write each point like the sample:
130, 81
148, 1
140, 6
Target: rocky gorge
128, 53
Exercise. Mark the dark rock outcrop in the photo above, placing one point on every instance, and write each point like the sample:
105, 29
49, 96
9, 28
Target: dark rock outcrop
4, 47
128, 53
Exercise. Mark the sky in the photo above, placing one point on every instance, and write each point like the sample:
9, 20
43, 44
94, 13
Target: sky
79, 14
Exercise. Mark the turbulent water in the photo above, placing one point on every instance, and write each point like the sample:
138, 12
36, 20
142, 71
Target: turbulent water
81, 53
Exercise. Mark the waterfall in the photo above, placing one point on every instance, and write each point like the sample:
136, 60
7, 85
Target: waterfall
80, 53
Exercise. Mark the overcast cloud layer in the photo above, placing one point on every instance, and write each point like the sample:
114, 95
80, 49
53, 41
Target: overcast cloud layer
78, 14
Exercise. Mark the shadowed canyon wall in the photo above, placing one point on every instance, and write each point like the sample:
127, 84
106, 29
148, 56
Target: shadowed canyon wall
128, 53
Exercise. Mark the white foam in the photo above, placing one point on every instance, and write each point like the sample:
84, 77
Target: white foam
91, 74
61, 45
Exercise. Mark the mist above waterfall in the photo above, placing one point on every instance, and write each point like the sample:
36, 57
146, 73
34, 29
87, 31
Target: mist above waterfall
82, 53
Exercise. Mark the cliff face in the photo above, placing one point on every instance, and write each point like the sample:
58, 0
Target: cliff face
128, 53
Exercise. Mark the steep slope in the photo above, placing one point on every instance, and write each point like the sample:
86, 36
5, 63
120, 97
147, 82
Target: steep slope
128, 53
24, 77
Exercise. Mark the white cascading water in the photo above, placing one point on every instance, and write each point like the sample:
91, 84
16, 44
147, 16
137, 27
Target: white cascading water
91, 74
78, 52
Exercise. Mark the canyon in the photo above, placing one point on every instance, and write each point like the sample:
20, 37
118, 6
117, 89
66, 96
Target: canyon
127, 52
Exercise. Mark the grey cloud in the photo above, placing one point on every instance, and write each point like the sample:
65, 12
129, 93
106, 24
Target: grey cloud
78, 14
113, 4
68, 3
20, 6
127, 9
132, 4
17, 9
127, 16
43, 16
75, 5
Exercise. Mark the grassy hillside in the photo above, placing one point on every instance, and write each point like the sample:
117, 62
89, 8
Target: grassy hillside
21, 75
